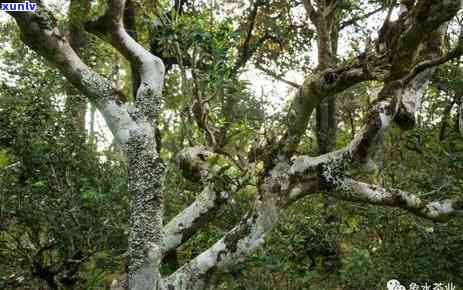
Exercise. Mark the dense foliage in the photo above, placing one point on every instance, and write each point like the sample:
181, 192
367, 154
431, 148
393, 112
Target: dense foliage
63, 191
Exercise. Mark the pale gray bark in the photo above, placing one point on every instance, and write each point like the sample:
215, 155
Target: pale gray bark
132, 126
275, 194
195, 164
51, 44
351, 190
146, 169
285, 184
290, 182
286, 179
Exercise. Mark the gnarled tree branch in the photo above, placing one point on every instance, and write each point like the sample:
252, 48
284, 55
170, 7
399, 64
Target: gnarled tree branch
441, 211
39, 32
196, 165
110, 27
146, 170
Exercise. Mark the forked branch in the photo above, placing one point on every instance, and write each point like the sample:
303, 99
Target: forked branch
110, 27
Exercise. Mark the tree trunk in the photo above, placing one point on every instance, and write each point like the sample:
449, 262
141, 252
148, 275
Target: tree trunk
146, 174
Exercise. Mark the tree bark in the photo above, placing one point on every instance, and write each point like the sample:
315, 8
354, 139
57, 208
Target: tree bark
286, 178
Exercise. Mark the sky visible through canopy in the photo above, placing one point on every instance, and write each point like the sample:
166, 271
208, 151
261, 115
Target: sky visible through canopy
272, 90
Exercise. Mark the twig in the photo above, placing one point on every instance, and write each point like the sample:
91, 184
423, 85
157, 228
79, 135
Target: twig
277, 76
